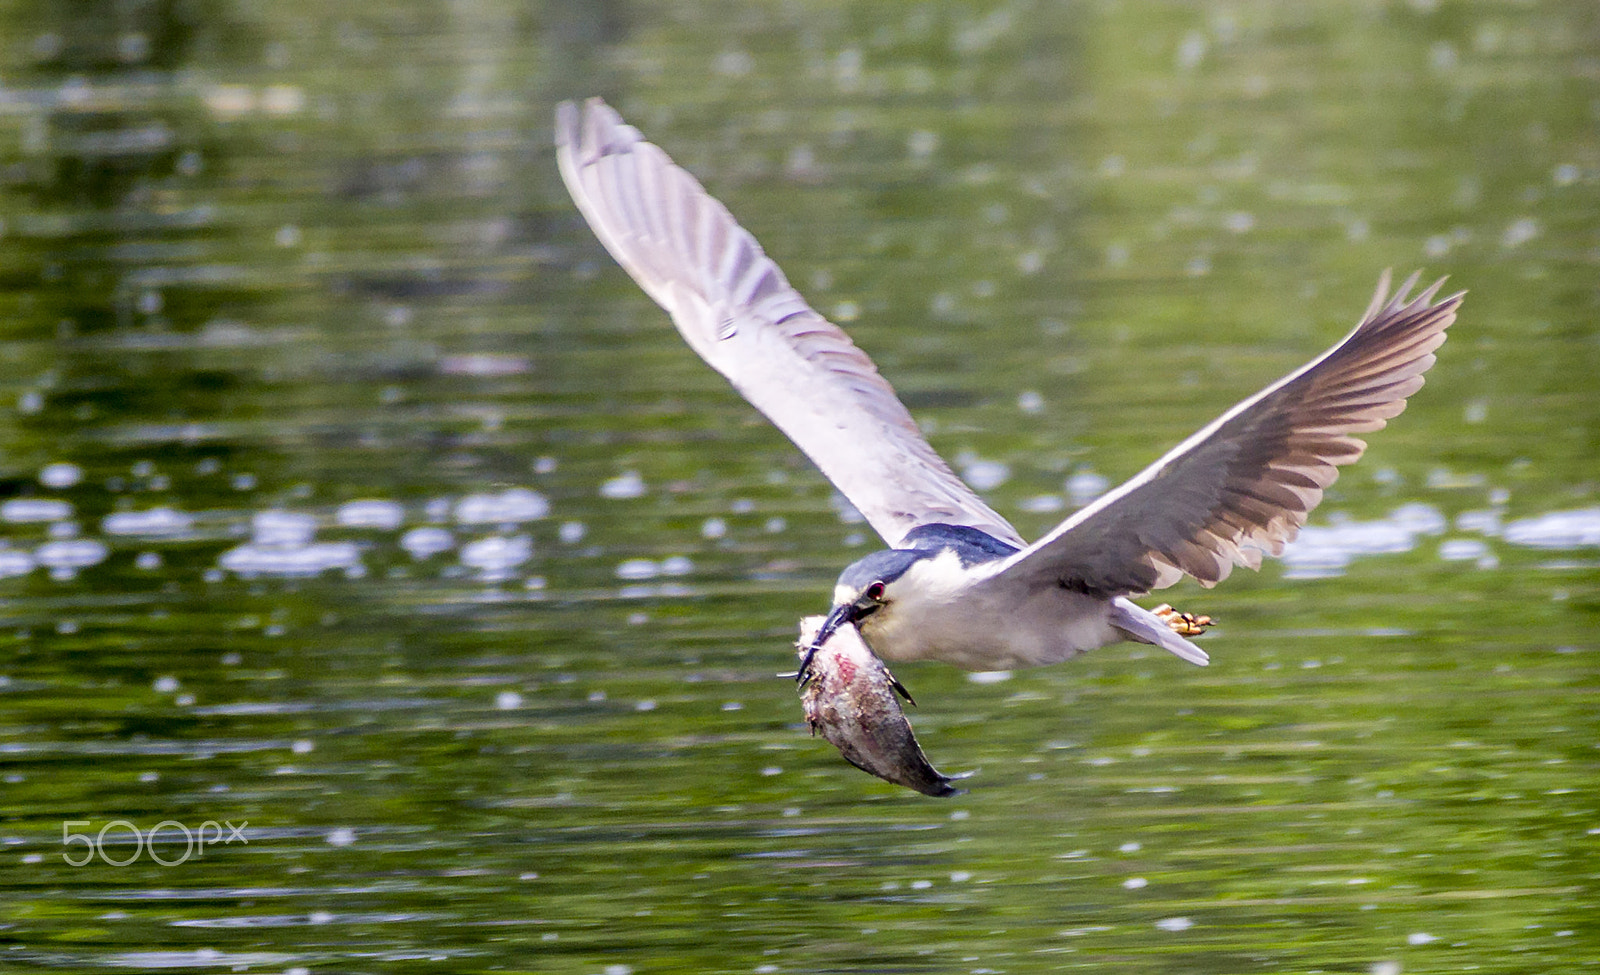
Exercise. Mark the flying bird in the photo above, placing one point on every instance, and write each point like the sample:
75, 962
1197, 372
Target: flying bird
957, 583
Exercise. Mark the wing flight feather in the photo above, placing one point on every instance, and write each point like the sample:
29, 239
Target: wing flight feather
1242, 487
737, 310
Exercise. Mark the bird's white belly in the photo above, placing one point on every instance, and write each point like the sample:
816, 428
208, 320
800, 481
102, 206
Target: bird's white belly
982, 631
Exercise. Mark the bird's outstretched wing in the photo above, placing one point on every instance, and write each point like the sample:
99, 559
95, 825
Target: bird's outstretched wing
736, 309
1242, 487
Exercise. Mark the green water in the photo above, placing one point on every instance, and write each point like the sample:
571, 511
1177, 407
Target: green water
258, 262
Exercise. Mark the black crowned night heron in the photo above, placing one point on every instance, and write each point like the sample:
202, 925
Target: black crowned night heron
958, 583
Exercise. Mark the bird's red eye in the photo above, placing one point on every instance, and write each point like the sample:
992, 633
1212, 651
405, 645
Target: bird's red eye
875, 591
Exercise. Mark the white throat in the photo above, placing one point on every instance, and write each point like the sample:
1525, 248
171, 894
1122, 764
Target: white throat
940, 609
918, 607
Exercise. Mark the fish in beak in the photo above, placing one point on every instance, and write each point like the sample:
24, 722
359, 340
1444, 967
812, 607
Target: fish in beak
852, 699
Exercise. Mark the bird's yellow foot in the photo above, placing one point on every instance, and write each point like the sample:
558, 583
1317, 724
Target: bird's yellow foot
1183, 624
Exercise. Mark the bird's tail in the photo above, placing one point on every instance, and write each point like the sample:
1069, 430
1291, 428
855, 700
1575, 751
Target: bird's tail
1142, 626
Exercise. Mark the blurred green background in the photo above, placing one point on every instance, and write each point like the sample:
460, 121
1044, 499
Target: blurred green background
349, 491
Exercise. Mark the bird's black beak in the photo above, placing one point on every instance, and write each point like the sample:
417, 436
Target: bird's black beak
841, 615
848, 613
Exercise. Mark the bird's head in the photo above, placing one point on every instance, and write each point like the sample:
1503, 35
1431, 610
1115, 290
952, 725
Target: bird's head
867, 589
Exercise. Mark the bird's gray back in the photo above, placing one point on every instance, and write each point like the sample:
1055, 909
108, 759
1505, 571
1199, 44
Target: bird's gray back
971, 546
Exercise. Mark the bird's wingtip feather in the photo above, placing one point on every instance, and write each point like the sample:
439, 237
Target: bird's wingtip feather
566, 121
